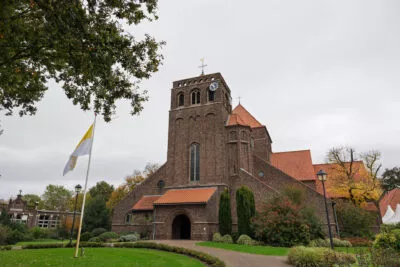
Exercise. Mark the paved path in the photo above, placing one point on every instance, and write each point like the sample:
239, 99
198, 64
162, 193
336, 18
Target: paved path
231, 258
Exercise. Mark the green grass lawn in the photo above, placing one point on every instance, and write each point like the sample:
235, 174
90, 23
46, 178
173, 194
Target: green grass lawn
261, 250
95, 257
42, 241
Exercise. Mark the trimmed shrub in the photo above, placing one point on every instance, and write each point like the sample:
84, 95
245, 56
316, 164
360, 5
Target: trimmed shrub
108, 236
40, 246
245, 210
326, 243
217, 237
304, 256
96, 239
39, 233
5, 248
86, 236
14, 236
227, 239
245, 240
128, 238
224, 213
359, 241
93, 245
98, 231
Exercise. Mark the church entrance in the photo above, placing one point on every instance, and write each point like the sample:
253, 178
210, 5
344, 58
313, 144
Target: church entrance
181, 227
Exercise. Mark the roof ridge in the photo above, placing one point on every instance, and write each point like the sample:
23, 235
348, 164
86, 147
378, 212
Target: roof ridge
291, 151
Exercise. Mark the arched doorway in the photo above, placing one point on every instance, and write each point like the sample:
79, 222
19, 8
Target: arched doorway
181, 227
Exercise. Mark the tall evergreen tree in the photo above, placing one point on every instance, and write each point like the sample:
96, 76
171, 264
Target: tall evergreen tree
96, 215
225, 217
245, 209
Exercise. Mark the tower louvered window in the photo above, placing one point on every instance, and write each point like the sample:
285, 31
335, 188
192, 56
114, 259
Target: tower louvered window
195, 97
195, 162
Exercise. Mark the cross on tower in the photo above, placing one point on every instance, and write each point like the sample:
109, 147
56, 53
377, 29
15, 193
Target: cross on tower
202, 66
239, 97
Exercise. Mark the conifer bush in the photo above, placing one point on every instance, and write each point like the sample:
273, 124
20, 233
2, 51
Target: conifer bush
225, 217
245, 210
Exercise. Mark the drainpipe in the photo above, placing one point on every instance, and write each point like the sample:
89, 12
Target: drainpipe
336, 221
154, 223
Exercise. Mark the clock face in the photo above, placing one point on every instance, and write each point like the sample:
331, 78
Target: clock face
213, 86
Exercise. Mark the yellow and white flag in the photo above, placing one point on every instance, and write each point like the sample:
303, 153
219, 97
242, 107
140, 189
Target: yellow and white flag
83, 148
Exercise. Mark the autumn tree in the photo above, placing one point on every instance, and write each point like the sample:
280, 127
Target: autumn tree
356, 175
131, 181
82, 45
56, 197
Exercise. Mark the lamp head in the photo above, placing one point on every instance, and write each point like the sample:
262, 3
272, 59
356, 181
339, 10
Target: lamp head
321, 176
78, 188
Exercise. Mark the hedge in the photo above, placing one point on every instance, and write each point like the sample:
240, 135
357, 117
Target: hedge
206, 258
326, 243
318, 257
5, 247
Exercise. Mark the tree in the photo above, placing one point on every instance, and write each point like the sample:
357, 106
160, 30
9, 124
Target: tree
81, 44
224, 215
131, 181
79, 202
102, 189
281, 223
390, 179
96, 215
32, 199
360, 184
245, 210
56, 197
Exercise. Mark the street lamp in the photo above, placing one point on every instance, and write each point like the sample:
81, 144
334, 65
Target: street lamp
322, 177
77, 191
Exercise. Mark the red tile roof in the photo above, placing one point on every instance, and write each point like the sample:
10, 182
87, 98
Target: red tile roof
332, 170
392, 198
186, 196
145, 203
297, 164
240, 116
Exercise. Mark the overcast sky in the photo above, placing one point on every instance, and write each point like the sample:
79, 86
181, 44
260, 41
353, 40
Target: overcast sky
317, 73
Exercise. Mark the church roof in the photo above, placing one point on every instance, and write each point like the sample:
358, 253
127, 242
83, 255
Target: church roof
297, 164
186, 196
145, 203
240, 116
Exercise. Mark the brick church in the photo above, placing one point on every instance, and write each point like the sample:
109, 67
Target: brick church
211, 148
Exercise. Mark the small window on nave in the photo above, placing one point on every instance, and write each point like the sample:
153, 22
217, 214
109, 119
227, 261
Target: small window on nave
195, 97
181, 99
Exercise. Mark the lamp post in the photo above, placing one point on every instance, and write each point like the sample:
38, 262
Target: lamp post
77, 190
322, 177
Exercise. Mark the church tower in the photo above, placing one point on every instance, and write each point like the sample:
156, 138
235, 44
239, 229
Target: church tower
200, 107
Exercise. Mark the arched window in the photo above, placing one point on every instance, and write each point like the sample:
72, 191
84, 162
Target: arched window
211, 95
195, 97
195, 162
181, 99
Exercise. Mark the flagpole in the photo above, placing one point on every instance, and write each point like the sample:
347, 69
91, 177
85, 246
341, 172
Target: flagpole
84, 191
